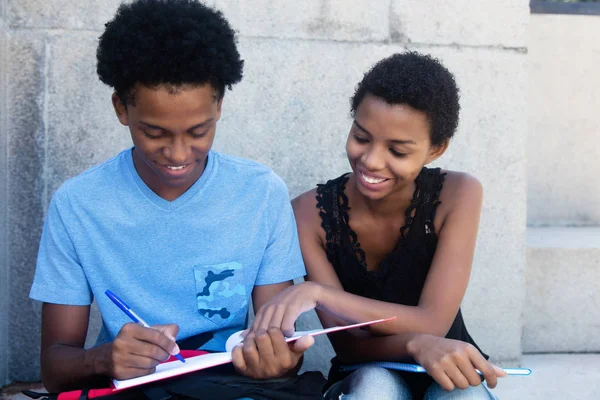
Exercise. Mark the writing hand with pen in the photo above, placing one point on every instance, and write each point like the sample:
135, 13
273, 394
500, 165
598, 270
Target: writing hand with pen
139, 347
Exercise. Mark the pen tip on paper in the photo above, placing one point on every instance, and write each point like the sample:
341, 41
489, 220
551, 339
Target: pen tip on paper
178, 356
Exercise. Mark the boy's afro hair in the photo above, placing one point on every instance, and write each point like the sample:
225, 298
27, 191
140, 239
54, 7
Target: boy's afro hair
419, 81
172, 42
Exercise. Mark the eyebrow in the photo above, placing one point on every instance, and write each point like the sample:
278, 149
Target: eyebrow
201, 125
393, 141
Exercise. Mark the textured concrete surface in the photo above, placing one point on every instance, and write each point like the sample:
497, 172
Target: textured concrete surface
360, 21
554, 377
290, 112
82, 129
562, 306
461, 22
564, 123
60, 14
4, 298
26, 189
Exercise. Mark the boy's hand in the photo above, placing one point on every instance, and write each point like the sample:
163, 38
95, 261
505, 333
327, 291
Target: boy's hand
137, 350
282, 310
453, 363
265, 354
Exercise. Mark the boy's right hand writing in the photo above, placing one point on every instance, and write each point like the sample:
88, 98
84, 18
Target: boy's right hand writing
137, 350
453, 363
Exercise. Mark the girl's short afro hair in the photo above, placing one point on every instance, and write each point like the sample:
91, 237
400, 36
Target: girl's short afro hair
419, 81
168, 42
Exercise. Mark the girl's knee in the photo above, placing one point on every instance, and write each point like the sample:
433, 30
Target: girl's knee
480, 392
372, 382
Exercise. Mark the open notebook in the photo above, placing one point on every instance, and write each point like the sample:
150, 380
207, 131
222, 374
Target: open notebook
174, 368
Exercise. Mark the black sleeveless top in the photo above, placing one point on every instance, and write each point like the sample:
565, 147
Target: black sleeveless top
401, 275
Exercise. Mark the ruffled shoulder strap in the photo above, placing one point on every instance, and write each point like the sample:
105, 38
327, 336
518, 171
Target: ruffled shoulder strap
429, 186
333, 207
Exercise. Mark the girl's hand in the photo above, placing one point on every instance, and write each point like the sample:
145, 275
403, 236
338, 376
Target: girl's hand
266, 355
282, 310
453, 363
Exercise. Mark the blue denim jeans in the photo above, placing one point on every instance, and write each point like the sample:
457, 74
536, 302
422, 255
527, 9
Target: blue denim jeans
373, 382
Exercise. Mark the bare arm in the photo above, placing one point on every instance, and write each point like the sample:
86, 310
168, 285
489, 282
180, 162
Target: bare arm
67, 365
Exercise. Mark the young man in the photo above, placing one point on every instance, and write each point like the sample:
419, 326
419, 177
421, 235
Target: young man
181, 233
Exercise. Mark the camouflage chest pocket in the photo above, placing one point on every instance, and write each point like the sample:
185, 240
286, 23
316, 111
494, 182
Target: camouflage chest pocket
221, 291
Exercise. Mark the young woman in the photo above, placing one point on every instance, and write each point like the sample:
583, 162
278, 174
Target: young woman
393, 238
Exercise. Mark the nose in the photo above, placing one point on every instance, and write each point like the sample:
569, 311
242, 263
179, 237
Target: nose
373, 159
177, 151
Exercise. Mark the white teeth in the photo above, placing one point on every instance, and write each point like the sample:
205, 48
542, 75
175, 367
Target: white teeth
175, 168
372, 180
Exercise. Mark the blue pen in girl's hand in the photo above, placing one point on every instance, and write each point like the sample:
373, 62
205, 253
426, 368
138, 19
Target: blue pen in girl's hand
417, 368
131, 314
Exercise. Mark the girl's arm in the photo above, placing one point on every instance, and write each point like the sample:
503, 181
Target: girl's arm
457, 222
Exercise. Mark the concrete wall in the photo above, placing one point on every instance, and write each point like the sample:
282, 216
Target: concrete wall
290, 112
562, 307
564, 123
3, 197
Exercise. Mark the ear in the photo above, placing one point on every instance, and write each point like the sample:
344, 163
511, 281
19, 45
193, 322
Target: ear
219, 104
120, 109
436, 151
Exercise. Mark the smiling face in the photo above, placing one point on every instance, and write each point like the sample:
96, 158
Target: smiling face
172, 131
387, 147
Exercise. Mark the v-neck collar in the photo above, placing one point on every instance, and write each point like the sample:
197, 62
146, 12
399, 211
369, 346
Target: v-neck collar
357, 251
181, 200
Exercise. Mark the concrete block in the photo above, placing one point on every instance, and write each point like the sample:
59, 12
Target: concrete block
554, 377
61, 14
83, 129
563, 156
460, 22
339, 20
562, 307
490, 145
26, 134
291, 112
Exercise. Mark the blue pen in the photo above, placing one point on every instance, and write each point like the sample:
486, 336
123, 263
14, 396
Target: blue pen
131, 314
418, 368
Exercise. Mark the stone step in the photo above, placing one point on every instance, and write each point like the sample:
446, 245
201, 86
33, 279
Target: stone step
554, 377
562, 303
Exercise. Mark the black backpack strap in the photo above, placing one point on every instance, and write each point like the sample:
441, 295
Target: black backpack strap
156, 393
195, 342
38, 395
84, 394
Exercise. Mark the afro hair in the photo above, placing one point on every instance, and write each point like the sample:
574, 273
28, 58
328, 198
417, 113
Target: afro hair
419, 81
167, 42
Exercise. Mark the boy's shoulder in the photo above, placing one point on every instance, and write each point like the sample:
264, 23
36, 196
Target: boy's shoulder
98, 178
243, 164
250, 171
